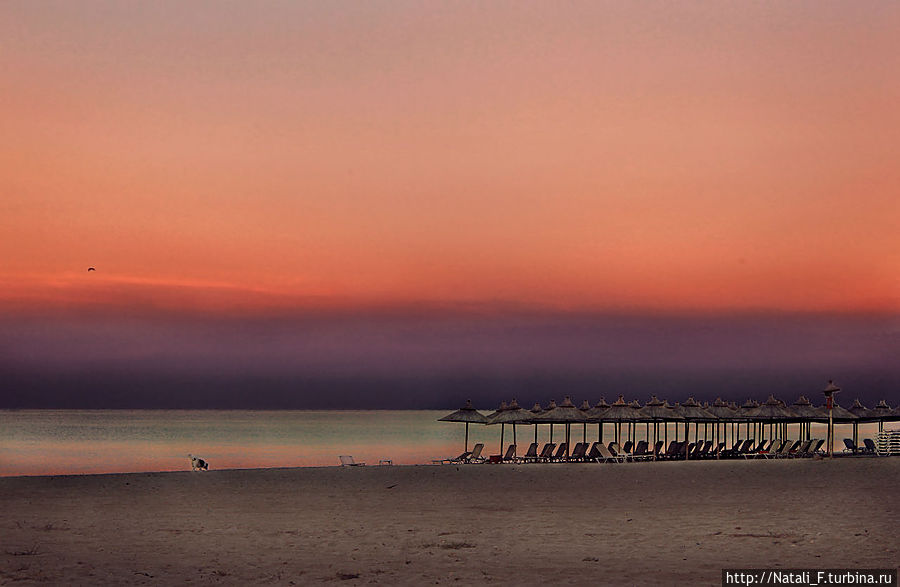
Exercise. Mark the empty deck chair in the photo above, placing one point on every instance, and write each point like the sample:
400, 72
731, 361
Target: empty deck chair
785, 450
347, 461
640, 451
547, 452
530, 455
618, 451
510, 454
869, 444
476, 457
849, 446
802, 449
560, 452
594, 453
606, 455
579, 452
628, 446
673, 449
817, 447
658, 449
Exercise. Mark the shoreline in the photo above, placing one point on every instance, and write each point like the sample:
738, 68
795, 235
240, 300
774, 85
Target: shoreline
587, 523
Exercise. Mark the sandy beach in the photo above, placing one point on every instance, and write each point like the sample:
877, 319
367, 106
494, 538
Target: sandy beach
641, 523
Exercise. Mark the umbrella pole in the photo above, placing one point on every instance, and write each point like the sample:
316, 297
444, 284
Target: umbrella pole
535, 433
600, 431
502, 430
568, 429
514, 439
584, 433
467, 437
551, 433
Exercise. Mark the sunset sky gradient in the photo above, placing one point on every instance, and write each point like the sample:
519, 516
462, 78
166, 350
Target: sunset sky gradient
601, 175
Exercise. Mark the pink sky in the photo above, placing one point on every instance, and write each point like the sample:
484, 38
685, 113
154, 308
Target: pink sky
588, 156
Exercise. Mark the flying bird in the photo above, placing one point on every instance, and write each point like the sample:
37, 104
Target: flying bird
91, 269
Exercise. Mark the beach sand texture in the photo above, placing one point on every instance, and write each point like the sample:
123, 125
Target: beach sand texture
641, 523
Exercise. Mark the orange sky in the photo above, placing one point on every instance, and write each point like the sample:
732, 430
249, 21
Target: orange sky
585, 155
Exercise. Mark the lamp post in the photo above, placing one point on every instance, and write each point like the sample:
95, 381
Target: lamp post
829, 392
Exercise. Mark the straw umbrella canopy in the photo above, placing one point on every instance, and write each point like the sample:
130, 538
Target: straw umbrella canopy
774, 411
884, 413
838, 414
894, 416
863, 413
619, 412
723, 414
806, 413
657, 411
467, 414
596, 415
535, 410
509, 414
565, 413
693, 412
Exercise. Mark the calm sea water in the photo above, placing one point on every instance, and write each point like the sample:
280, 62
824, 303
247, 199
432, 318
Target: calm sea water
50, 442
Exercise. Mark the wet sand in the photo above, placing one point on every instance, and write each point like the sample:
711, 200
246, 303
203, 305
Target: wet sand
634, 523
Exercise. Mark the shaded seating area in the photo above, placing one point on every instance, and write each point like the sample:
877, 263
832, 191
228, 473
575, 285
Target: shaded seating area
689, 430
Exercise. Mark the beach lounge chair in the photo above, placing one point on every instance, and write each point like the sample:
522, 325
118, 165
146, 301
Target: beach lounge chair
578, 453
547, 452
640, 451
628, 446
802, 449
849, 446
794, 446
658, 448
619, 452
672, 450
785, 450
460, 459
560, 452
347, 461
510, 454
476, 457
606, 455
817, 447
530, 454
869, 446
594, 454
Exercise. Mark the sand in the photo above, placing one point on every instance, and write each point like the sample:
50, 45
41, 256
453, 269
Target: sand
634, 523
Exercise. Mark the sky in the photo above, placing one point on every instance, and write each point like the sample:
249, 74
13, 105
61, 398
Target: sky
383, 204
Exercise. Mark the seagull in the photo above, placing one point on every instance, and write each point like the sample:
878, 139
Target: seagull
91, 269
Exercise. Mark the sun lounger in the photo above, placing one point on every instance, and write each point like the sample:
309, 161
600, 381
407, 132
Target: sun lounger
530, 454
785, 450
803, 449
641, 452
578, 453
347, 461
658, 448
817, 447
618, 451
606, 455
560, 452
870, 446
476, 457
547, 452
510, 454
628, 446
849, 446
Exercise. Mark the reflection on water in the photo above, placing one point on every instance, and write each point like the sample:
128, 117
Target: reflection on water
43, 442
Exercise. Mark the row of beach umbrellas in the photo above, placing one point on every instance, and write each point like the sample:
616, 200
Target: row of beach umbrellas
656, 411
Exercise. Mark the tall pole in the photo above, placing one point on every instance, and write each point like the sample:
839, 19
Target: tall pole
830, 390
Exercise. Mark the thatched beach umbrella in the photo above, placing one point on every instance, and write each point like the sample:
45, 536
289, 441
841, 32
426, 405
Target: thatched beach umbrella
596, 415
806, 413
657, 411
565, 413
883, 412
723, 413
535, 410
619, 412
467, 414
509, 414
584, 407
773, 411
863, 414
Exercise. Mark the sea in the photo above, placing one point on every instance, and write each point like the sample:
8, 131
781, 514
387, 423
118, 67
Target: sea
75, 442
